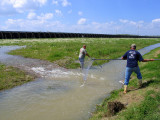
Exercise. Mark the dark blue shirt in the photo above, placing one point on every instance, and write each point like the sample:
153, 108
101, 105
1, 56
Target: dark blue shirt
133, 57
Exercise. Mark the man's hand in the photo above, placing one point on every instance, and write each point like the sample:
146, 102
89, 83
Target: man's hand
123, 58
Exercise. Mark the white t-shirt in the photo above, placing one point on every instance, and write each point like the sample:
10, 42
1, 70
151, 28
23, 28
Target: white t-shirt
82, 53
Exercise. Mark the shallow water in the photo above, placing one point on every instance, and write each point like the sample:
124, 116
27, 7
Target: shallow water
56, 94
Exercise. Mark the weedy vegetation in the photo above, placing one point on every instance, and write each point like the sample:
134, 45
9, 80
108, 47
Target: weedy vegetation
64, 52
11, 77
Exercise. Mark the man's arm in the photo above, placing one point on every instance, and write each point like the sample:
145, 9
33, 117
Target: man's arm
124, 57
87, 54
147, 60
144, 60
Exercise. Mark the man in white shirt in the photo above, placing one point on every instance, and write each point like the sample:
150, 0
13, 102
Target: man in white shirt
82, 55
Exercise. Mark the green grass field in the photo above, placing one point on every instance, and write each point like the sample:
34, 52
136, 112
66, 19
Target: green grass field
64, 52
11, 77
144, 103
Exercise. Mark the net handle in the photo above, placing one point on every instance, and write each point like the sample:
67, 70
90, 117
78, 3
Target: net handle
119, 59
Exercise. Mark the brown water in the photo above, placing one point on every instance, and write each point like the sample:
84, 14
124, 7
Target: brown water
57, 94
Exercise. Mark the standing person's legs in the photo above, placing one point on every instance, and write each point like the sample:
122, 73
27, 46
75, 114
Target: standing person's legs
81, 62
139, 76
128, 73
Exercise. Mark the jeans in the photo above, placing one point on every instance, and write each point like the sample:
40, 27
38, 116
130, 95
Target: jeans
128, 73
81, 62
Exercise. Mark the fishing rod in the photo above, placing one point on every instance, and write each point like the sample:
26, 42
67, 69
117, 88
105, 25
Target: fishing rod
156, 59
119, 59
106, 59
112, 59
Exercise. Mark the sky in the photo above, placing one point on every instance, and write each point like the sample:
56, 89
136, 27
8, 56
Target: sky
138, 17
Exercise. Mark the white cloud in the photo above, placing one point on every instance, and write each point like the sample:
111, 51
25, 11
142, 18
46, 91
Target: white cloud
155, 24
19, 6
22, 3
31, 15
156, 20
82, 21
42, 16
58, 12
123, 21
44, 22
41, 2
55, 2
32, 25
130, 22
65, 3
10, 21
18, 3
80, 13
46, 16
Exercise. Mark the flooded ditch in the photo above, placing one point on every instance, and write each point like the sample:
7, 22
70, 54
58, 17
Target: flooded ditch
56, 93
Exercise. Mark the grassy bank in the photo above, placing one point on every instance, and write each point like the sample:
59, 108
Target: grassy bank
141, 104
64, 52
11, 77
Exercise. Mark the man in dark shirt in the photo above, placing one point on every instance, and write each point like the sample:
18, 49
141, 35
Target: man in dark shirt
133, 57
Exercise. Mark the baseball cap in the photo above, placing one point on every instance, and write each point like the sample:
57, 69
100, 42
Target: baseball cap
133, 46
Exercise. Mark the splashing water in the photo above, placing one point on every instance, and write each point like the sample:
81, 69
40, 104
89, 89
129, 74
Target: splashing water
85, 70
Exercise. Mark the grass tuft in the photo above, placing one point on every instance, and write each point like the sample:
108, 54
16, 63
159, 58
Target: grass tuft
11, 77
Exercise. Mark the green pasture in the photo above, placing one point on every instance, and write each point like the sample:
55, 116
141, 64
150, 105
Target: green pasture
11, 77
65, 51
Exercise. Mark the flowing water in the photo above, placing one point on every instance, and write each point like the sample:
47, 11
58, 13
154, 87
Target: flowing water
56, 94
